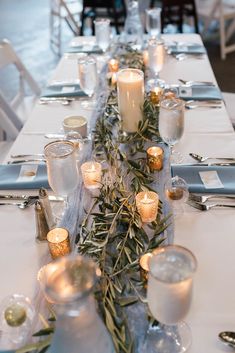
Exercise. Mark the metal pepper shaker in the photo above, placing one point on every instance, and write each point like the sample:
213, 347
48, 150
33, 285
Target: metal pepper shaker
45, 203
42, 227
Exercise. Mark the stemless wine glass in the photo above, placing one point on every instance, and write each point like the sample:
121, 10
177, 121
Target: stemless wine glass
171, 124
87, 72
169, 294
102, 33
153, 22
156, 53
61, 169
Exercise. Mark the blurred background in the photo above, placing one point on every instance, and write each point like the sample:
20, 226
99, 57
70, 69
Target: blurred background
28, 25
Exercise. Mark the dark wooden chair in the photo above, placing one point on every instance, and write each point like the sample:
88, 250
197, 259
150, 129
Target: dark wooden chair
113, 9
175, 11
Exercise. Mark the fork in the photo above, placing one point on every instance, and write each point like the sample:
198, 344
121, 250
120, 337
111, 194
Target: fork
204, 198
204, 207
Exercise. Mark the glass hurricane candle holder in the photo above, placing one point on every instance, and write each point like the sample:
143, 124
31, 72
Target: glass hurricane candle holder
147, 205
91, 174
58, 242
155, 158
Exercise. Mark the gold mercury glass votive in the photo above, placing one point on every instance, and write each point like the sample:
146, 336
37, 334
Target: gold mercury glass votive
58, 242
147, 205
91, 174
113, 65
155, 158
156, 95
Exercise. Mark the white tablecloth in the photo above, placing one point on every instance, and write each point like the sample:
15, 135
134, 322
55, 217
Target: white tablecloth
209, 235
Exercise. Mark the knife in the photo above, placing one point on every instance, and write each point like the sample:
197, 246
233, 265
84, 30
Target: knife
19, 161
227, 164
26, 197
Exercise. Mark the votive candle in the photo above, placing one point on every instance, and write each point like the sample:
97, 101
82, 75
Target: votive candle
155, 158
130, 88
113, 65
146, 57
147, 205
144, 266
59, 243
91, 173
156, 94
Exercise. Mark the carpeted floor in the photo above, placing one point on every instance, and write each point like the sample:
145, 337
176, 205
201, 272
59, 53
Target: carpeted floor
26, 24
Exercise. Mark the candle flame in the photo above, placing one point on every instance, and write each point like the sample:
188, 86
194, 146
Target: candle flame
145, 197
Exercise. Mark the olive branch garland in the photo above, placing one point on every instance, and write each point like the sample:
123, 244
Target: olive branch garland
112, 232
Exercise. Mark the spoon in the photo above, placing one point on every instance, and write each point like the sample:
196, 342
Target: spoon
228, 337
203, 159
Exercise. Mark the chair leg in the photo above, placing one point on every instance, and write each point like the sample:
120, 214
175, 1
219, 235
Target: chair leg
222, 38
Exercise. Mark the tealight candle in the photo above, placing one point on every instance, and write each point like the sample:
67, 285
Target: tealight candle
155, 158
146, 57
58, 241
144, 266
75, 123
130, 89
156, 94
91, 173
113, 65
147, 205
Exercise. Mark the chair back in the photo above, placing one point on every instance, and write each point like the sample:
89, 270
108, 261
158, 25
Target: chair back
9, 109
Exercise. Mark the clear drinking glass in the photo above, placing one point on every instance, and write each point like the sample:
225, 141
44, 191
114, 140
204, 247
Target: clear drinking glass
156, 53
61, 169
153, 22
102, 33
171, 124
169, 294
176, 190
87, 72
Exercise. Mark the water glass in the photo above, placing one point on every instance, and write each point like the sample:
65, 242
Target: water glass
102, 33
171, 124
156, 53
62, 169
153, 22
87, 72
169, 294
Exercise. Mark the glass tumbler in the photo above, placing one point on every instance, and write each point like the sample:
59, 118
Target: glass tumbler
102, 33
169, 295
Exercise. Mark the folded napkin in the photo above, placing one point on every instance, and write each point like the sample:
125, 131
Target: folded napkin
69, 90
191, 175
27, 176
200, 92
187, 48
85, 48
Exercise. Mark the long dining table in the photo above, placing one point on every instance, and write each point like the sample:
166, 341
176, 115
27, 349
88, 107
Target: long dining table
209, 235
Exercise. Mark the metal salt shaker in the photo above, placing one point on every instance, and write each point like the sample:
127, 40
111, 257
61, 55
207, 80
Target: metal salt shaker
41, 223
45, 203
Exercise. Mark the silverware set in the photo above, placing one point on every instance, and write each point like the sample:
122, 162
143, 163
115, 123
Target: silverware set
24, 201
199, 201
61, 100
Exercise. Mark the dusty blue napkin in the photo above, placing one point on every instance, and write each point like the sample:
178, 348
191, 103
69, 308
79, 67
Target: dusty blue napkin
9, 174
63, 91
191, 175
202, 92
187, 48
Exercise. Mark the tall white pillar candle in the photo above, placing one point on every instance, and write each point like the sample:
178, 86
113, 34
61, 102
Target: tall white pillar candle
130, 87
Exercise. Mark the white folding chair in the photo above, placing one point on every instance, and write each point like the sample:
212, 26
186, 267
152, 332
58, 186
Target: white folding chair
14, 113
229, 99
222, 11
63, 10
